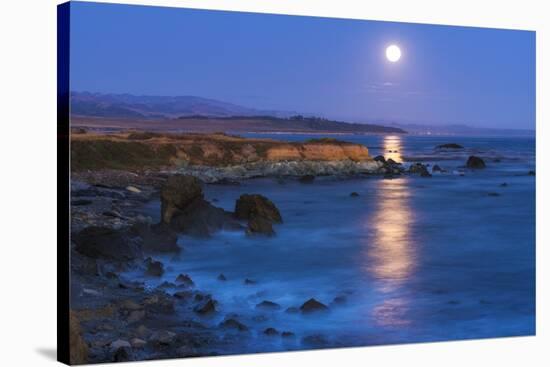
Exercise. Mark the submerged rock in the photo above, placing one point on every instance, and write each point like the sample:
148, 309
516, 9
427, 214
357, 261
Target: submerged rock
222, 277
249, 281
288, 334
354, 194
268, 305
475, 162
449, 146
312, 305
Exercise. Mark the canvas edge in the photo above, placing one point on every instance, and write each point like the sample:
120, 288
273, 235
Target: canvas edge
63, 182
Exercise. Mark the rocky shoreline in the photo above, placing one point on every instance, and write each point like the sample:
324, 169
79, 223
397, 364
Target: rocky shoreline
114, 317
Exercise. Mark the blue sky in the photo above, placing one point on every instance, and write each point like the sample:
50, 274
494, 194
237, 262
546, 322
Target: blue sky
335, 68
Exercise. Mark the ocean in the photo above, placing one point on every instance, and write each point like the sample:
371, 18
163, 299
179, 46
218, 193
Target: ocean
411, 259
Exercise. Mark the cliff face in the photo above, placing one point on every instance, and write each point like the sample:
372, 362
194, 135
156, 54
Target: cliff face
135, 151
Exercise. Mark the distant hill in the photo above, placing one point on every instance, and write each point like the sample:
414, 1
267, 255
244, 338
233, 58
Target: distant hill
131, 106
190, 113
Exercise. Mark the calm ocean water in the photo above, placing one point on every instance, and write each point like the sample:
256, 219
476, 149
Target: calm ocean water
412, 259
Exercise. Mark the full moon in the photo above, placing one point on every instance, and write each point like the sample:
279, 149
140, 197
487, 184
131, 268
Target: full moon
393, 53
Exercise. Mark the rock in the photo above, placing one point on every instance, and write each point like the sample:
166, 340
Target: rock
354, 194
307, 179
531, 173
119, 343
475, 162
419, 168
133, 189
162, 337
143, 332
288, 334
233, 324
123, 354
200, 218
271, 331
160, 303
177, 193
315, 341
312, 305
292, 310
259, 225
268, 305
108, 243
206, 308
77, 345
449, 146
222, 277
436, 168
135, 316
157, 238
183, 294
138, 343
249, 281
154, 268
380, 158
339, 300
130, 305
252, 206
504, 184
185, 280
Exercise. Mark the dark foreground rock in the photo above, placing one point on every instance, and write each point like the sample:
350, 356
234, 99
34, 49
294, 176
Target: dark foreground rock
157, 238
475, 162
177, 193
268, 305
108, 243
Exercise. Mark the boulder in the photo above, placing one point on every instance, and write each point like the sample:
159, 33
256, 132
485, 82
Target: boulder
449, 146
475, 162
108, 243
201, 219
312, 305
271, 331
77, 345
268, 305
260, 225
222, 277
154, 268
354, 194
177, 193
185, 280
420, 169
250, 206
206, 308
380, 158
233, 324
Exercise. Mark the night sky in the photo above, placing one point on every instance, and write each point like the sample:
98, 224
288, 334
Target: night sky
334, 68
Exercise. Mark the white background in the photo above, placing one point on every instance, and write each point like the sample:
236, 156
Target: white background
28, 182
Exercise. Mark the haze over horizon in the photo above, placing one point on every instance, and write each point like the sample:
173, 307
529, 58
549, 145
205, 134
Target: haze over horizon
334, 68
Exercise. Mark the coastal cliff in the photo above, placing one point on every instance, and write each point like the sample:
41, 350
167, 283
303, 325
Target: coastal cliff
213, 157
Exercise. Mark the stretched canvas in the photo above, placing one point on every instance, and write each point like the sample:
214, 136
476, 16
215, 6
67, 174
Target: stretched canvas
235, 183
